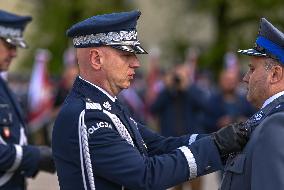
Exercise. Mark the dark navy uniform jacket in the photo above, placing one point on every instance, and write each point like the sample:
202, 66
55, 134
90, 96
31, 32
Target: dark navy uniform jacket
17, 159
237, 109
97, 145
260, 166
178, 111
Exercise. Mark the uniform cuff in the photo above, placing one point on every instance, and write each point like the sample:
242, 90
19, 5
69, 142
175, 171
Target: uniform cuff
18, 158
211, 160
192, 166
30, 161
195, 137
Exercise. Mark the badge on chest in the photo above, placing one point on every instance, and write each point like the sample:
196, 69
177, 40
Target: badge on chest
6, 133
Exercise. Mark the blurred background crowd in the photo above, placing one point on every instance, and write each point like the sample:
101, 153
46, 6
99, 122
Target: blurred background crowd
189, 83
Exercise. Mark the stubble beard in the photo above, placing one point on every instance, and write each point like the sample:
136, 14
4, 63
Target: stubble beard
256, 96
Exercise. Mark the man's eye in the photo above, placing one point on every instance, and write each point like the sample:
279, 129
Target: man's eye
128, 54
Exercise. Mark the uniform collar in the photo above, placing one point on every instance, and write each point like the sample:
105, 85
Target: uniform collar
269, 100
100, 89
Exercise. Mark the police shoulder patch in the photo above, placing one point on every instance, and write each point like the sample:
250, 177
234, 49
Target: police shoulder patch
93, 106
98, 125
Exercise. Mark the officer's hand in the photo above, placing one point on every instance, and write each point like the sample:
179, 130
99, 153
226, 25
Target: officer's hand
46, 162
231, 138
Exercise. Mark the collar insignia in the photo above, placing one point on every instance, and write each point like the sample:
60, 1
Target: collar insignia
258, 116
107, 105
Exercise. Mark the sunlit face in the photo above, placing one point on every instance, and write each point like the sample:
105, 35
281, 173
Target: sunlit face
119, 69
7, 53
257, 80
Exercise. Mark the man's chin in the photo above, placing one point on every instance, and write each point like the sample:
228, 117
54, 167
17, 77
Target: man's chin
253, 102
126, 85
249, 99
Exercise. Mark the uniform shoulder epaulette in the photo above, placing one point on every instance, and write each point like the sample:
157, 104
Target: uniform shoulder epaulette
278, 108
121, 129
90, 105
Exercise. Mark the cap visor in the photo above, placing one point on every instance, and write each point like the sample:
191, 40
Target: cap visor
252, 52
19, 42
140, 50
137, 49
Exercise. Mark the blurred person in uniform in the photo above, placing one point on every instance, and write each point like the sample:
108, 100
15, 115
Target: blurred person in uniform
98, 145
260, 165
228, 104
19, 160
69, 75
177, 107
153, 77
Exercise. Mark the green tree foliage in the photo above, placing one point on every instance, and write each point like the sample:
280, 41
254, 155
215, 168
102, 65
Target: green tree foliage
236, 24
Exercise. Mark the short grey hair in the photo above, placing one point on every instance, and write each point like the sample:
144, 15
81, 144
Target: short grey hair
269, 63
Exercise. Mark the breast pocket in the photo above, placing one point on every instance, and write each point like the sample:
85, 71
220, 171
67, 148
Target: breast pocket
6, 119
5, 115
234, 167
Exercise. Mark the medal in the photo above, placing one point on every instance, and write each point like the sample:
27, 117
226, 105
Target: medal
6, 132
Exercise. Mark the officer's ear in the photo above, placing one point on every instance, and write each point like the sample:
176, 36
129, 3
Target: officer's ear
95, 58
277, 74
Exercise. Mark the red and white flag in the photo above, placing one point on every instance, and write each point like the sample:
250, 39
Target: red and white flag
40, 97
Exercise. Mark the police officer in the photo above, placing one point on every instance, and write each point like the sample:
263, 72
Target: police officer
18, 159
98, 145
260, 165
